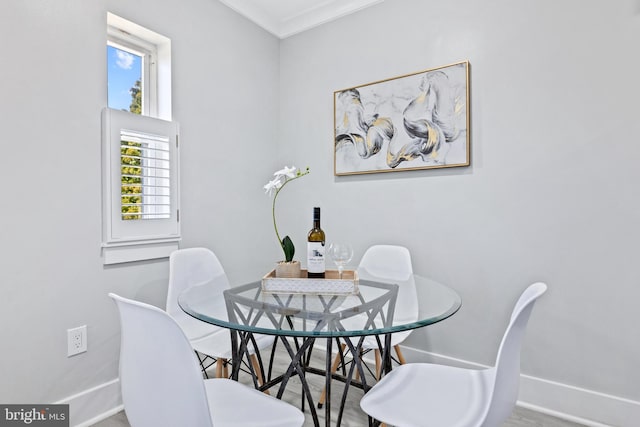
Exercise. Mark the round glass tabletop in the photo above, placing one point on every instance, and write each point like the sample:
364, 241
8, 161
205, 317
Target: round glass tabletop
377, 308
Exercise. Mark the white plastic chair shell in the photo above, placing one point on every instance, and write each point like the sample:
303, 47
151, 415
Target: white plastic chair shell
431, 395
192, 267
392, 264
162, 385
199, 266
388, 264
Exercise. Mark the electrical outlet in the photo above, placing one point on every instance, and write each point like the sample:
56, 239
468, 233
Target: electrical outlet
76, 340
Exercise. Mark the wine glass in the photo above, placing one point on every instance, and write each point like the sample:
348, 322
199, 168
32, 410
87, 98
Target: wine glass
341, 254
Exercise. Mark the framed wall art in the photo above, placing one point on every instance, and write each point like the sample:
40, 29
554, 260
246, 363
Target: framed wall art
415, 121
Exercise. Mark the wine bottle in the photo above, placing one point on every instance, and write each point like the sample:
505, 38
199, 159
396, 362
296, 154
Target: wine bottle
315, 248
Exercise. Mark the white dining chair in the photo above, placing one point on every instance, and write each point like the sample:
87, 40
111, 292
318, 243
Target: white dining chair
387, 264
200, 266
162, 385
432, 395
392, 264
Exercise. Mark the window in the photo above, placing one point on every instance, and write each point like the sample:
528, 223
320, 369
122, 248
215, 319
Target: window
140, 147
127, 70
138, 69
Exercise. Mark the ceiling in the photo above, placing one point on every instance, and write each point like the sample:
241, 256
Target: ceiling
284, 18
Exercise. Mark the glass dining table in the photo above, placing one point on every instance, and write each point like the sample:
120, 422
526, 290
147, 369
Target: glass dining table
378, 309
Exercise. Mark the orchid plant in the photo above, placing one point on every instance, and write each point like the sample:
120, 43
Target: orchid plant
282, 178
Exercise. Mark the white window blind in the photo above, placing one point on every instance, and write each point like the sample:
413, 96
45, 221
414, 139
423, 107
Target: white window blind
145, 161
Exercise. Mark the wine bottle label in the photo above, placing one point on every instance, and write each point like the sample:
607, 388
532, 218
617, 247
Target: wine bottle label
315, 257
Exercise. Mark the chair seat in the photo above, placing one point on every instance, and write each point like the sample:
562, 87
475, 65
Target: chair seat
218, 344
429, 395
228, 398
370, 342
195, 329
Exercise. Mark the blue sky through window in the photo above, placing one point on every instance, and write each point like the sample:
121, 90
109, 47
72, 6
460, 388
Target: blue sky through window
123, 69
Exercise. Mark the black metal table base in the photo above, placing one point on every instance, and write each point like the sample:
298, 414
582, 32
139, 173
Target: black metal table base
299, 366
319, 316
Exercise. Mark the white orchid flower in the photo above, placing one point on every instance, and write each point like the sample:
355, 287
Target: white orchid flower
282, 178
272, 185
288, 172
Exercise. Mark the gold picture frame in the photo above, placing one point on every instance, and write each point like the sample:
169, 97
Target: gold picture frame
414, 121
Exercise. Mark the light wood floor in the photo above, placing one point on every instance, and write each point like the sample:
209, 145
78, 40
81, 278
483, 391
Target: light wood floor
353, 415
520, 418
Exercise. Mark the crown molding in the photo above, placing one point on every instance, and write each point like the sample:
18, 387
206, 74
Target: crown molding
284, 18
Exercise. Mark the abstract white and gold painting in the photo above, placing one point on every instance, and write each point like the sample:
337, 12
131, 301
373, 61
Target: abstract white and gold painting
415, 121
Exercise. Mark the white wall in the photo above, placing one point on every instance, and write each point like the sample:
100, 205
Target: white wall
53, 87
551, 193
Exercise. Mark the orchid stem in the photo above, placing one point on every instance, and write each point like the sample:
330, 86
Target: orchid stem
273, 214
273, 206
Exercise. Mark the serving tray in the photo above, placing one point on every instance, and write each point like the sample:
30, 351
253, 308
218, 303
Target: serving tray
330, 285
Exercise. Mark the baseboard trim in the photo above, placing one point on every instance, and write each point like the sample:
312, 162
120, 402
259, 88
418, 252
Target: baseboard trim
582, 406
95, 404
577, 404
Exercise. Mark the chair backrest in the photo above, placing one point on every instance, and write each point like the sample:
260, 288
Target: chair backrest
507, 367
159, 374
388, 262
393, 264
191, 267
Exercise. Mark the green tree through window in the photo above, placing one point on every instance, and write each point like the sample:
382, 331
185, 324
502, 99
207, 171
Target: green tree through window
131, 171
136, 98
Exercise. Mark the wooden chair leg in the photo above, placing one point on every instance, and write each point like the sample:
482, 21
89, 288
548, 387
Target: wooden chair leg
225, 368
258, 371
219, 367
357, 370
378, 363
334, 368
399, 353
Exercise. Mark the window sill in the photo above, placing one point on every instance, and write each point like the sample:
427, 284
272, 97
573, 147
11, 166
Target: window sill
118, 253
